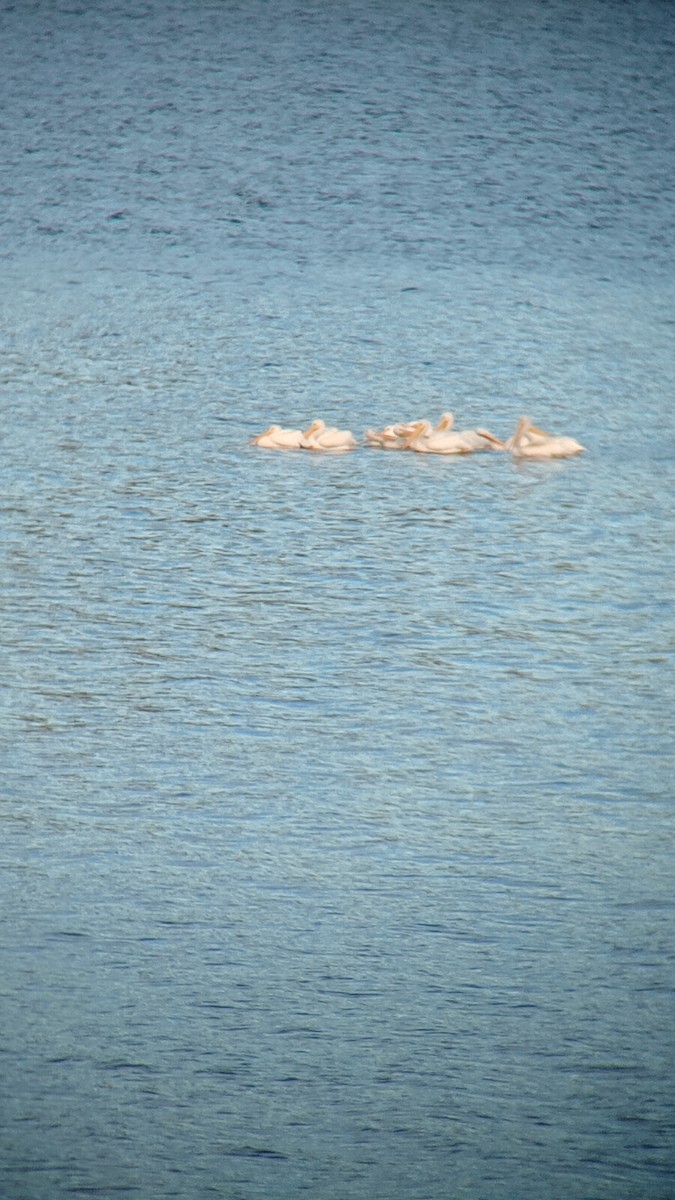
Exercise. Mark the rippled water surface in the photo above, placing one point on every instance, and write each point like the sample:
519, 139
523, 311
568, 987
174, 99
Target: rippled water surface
337, 804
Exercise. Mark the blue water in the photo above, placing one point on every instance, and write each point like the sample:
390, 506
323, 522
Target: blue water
336, 804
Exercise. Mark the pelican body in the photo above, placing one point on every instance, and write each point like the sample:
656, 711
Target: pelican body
530, 442
425, 439
319, 436
392, 437
276, 438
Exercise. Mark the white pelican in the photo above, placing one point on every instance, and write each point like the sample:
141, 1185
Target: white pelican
392, 437
530, 442
427, 440
530, 436
319, 436
386, 439
476, 439
396, 437
276, 438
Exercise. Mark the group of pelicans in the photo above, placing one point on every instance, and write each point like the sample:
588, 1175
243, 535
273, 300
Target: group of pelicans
527, 441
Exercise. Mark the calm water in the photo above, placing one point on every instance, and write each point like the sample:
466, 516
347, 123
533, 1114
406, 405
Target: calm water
337, 802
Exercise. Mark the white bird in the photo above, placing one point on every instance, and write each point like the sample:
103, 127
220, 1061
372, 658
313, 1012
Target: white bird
392, 437
276, 438
319, 436
385, 439
427, 440
396, 437
530, 442
467, 440
530, 436
476, 439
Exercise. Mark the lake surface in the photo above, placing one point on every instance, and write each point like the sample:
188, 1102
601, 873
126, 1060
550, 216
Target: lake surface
336, 791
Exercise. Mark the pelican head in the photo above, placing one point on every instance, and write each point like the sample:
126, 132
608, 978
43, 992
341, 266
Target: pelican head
522, 428
316, 427
417, 429
272, 429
